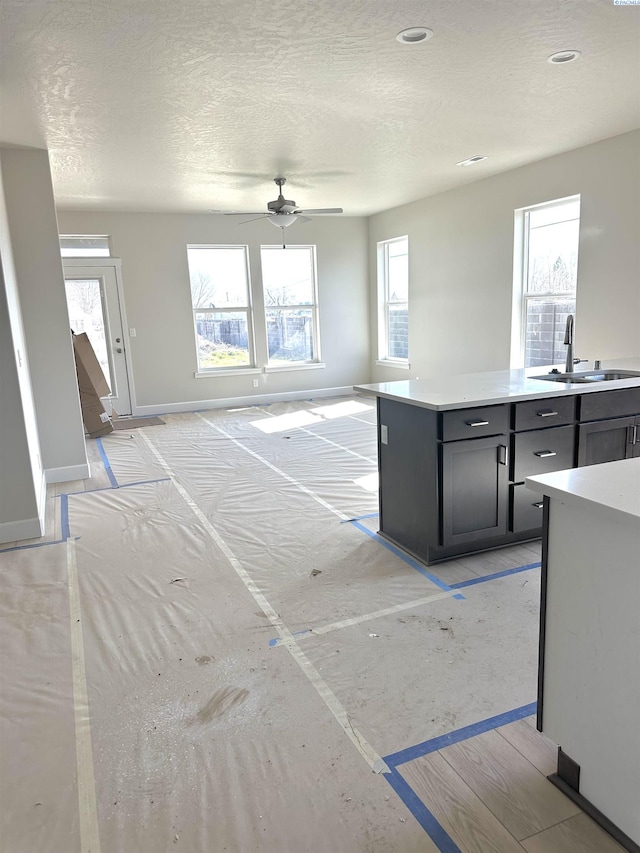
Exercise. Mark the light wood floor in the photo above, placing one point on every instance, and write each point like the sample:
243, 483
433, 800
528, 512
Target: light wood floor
490, 794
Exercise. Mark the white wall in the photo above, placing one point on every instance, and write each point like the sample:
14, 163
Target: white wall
461, 261
155, 276
21, 474
35, 248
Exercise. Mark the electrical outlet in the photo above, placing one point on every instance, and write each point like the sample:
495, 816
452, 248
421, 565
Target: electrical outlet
255, 383
132, 333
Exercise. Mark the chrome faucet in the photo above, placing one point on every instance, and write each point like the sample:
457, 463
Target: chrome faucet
568, 342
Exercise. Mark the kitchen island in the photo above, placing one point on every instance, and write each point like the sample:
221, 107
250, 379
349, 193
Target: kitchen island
454, 451
589, 666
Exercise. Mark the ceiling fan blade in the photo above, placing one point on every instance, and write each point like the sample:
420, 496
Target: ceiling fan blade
244, 213
255, 218
321, 210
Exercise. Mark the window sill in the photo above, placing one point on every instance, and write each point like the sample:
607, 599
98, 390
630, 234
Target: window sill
217, 372
400, 365
311, 365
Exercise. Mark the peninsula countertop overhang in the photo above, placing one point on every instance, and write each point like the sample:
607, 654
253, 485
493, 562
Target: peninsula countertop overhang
442, 393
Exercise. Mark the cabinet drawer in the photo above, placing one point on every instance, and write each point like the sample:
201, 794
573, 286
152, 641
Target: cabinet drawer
526, 509
609, 404
536, 414
474, 423
541, 451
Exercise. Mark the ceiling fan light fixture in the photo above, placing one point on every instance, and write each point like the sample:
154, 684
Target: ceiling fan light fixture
563, 56
414, 35
283, 221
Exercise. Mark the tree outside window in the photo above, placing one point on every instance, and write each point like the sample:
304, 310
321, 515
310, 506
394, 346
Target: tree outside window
549, 278
291, 313
221, 301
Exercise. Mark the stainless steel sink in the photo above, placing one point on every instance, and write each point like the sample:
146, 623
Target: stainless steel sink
586, 376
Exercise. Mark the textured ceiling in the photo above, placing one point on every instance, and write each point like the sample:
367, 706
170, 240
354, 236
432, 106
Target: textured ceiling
199, 104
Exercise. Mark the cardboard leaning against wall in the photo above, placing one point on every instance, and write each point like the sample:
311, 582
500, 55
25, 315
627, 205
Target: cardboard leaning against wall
92, 385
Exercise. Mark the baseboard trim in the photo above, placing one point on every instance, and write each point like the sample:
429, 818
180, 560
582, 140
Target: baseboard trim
601, 819
233, 402
67, 473
16, 531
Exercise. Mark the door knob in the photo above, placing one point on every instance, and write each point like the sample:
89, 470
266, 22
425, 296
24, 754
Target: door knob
117, 340
118, 349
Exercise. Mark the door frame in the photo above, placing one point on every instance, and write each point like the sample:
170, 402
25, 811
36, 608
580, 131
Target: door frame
114, 264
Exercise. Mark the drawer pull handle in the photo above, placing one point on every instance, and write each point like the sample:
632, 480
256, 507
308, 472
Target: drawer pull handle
543, 454
546, 413
477, 423
538, 504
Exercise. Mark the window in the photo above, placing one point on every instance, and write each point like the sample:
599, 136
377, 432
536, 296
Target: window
546, 281
289, 283
84, 246
393, 300
221, 300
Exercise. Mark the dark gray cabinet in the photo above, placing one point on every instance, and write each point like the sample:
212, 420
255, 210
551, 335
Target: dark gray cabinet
474, 489
608, 441
609, 426
452, 482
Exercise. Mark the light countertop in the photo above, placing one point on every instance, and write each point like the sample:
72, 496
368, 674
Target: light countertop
441, 393
613, 487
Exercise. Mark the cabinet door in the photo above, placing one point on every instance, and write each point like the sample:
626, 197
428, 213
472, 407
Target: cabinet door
474, 490
606, 441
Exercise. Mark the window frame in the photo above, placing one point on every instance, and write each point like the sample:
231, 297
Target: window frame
246, 310
316, 361
85, 238
521, 295
385, 304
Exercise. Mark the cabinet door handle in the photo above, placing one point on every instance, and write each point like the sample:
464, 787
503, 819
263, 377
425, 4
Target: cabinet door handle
477, 423
546, 413
503, 454
538, 504
632, 433
544, 453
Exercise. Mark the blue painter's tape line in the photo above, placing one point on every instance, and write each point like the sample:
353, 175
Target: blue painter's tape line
276, 641
427, 821
464, 733
495, 575
405, 557
64, 516
123, 486
33, 545
359, 517
107, 464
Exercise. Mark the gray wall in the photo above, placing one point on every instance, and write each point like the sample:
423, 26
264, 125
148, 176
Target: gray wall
36, 254
21, 473
157, 297
461, 261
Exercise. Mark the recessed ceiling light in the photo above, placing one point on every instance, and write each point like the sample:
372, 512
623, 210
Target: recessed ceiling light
471, 160
564, 56
414, 35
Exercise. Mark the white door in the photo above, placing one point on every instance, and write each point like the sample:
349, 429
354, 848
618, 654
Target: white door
94, 302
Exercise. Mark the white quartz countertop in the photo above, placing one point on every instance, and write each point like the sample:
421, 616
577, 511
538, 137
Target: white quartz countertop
441, 393
614, 487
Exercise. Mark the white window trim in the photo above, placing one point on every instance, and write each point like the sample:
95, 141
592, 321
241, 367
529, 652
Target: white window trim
273, 367
384, 360
393, 362
520, 271
252, 367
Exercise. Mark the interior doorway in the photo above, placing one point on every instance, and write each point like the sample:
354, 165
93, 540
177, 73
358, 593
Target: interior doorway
95, 305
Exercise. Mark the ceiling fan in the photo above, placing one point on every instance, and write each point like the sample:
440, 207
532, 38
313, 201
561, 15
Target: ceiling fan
282, 212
